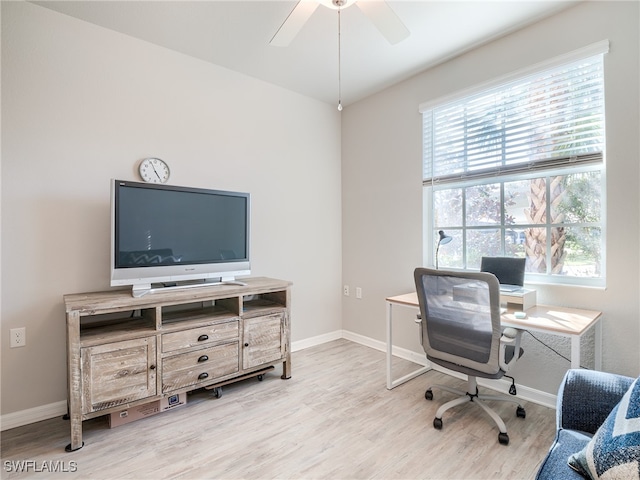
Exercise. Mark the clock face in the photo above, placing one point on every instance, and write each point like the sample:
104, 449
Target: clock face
154, 170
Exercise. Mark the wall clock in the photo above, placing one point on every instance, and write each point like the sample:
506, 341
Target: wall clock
154, 170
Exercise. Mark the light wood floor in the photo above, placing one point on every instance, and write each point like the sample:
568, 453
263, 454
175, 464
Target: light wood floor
334, 419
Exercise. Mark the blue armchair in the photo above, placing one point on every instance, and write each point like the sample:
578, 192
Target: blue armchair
585, 399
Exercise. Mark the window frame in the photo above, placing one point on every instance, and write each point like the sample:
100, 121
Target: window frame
567, 166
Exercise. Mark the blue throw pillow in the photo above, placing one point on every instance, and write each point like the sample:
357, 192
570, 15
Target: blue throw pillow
614, 451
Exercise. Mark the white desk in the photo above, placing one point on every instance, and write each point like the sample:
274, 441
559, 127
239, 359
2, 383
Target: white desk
566, 322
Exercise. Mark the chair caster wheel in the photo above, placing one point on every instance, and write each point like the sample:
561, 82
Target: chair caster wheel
428, 394
437, 424
503, 438
520, 413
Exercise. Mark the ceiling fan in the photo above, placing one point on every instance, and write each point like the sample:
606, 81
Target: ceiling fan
378, 12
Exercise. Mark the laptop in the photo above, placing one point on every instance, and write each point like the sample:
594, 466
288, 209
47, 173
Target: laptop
508, 270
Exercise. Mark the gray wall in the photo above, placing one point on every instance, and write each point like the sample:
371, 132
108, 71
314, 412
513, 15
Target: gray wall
382, 187
81, 105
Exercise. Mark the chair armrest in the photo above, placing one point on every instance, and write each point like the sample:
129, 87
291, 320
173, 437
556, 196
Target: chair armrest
511, 333
509, 348
586, 397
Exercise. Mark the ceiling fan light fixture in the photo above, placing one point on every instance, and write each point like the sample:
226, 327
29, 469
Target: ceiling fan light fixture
377, 11
337, 4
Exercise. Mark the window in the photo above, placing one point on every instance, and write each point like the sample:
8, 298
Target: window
517, 169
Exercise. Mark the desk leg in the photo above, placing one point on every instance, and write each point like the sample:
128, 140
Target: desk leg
598, 345
575, 351
389, 344
391, 383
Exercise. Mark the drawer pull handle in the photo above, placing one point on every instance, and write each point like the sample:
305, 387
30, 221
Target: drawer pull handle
246, 344
203, 375
203, 358
152, 367
202, 338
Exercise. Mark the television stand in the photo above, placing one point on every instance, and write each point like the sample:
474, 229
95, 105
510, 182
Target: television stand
143, 289
234, 282
125, 351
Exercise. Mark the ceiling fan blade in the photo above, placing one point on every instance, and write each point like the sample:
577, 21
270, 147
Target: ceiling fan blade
385, 20
294, 23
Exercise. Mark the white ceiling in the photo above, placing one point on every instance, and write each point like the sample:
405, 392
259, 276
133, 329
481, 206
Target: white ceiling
236, 35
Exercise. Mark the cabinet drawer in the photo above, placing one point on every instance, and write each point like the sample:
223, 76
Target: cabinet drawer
200, 336
199, 366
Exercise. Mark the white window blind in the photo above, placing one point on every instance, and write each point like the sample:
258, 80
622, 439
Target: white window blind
544, 120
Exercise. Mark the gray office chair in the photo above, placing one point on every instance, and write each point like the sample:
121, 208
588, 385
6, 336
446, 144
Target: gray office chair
460, 330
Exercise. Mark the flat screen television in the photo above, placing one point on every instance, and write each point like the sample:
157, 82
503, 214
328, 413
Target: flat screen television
169, 236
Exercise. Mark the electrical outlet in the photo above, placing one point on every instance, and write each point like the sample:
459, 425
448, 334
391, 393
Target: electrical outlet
345, 290
18, 337
358, 292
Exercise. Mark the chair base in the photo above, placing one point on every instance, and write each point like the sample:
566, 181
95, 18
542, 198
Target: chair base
472, 395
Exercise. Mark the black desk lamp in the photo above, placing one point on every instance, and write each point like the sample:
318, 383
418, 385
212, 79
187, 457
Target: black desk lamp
443, 240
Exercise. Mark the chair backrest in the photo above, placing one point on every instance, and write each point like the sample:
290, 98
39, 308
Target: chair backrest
460, 317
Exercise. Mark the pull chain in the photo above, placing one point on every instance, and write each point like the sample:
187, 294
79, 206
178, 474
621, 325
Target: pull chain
339, 66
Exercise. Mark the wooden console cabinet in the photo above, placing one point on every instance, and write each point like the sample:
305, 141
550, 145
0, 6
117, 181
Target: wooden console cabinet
124, 351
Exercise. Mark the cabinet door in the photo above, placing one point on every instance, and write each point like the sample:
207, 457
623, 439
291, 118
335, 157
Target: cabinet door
117, 373
262, 340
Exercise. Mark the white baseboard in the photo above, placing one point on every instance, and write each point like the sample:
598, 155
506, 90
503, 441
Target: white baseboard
319, 340
45, 412
32, 415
